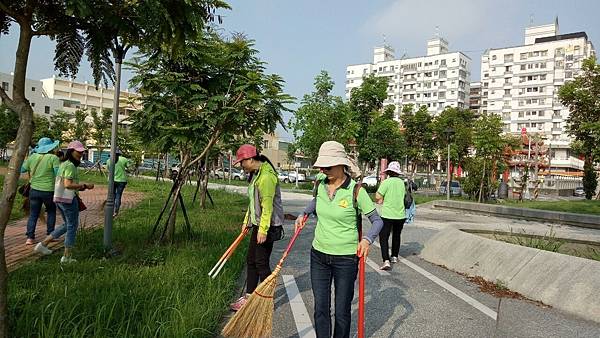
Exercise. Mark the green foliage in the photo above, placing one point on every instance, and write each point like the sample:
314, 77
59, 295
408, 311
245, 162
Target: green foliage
59, 125
9, 124
590, 180
367, 102
582, 96
461, 122
471, 184
384, 139
418, 133
321, 117
101, 124
41, 128
80, 128
547, 242
215, 88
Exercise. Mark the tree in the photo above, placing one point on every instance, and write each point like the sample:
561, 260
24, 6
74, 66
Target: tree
41, 128
489, 145
215, 87
461, 122
418, 133
101, 124
9, 124
384, 139
582, 97
80, 128
321, 117
59, 125
366, 102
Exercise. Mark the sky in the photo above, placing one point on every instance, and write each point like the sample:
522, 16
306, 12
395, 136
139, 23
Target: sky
298, 39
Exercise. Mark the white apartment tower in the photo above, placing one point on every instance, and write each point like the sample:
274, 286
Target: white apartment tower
39, 100
521, 84
438, 80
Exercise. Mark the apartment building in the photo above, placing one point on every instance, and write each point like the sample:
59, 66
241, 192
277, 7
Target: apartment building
521, 84
437, 80
475, 97
34, 92
83, 95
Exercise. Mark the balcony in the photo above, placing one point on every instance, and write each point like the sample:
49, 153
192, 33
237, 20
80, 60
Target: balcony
556, 130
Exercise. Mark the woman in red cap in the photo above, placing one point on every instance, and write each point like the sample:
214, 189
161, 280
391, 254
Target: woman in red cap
264, 215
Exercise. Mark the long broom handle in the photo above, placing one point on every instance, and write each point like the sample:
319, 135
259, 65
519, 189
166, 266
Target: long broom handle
229, 250
361, 297
292, 241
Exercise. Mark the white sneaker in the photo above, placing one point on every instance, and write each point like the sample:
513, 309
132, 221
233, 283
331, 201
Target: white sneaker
394, 259
42, 249
386, 266
67, 260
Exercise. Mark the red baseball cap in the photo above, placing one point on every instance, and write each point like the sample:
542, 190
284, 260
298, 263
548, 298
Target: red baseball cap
245, 151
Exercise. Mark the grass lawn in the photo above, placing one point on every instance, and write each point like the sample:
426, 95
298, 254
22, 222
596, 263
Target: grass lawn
574, 206
148, 291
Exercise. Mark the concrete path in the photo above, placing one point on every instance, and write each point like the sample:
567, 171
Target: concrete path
14, 239
416, 298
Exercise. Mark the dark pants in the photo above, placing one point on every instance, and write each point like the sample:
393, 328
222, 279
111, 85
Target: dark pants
257, 260
36, 199
119, 187
342, 270
395, 227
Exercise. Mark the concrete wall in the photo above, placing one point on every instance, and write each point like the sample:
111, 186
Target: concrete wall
565, 282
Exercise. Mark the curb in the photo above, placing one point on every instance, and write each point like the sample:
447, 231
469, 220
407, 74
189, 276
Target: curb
580, 220
565, 282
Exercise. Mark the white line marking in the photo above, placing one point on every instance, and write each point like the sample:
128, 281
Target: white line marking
468, 299
301, 317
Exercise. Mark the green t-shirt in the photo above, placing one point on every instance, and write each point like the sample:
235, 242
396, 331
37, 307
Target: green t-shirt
336, 232
120, 169
69, 171
393, 191
44, 174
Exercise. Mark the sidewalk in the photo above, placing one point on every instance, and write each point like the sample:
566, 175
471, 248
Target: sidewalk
14, 238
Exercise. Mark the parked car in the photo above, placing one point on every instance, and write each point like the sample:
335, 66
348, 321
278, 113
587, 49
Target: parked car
283, 176
175, 170
292, 177
455, 189
369, 181
236, 174
579, 192
85, 164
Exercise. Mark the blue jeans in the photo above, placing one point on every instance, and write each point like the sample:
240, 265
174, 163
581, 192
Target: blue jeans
119, 187
70, 213
342, 270
36, 199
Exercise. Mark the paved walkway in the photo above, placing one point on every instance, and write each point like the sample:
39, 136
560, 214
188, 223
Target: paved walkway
14, 238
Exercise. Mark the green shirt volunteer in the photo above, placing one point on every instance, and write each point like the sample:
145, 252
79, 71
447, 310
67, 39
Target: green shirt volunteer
120, 168
336, 232
42, 169
69, 171
392, 189
265, 180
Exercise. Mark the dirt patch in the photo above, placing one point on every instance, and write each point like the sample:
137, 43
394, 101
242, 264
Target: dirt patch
500, 291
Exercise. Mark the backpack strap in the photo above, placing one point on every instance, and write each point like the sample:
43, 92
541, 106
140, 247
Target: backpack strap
356, 190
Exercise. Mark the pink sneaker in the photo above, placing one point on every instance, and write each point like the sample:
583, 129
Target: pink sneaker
238, 304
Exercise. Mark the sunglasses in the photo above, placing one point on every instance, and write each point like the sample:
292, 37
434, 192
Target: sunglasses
326, 168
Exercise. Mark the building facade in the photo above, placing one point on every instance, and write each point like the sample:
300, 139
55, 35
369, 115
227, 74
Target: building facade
475, 97
521, 84
438, 80
83, 95
40, 102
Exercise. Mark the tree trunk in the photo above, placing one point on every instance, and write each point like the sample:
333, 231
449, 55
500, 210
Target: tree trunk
205, 182
20, 105
482, 180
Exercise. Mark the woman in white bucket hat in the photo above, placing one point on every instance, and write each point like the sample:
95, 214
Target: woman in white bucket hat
391, 194
336, 248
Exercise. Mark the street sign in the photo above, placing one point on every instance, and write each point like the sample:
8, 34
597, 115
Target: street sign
297, 165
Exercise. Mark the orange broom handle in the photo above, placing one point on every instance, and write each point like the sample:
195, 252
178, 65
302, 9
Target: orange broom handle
235, 243
361, 297
289, 247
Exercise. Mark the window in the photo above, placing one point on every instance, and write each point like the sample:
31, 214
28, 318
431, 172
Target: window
32, 104
265, 144
568, 75
493, 57
443, 62
33, 89
507, 80
523, 67
5, 85
523, 56
506, 91
46, 109
521, 114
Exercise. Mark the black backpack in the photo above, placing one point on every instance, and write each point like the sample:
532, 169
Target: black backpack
408, 199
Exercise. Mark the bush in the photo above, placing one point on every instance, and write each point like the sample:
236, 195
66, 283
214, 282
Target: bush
471, 184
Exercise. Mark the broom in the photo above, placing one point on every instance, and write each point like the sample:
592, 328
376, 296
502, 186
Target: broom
255, 318
221, 263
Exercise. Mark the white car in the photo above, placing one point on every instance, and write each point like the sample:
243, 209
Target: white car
370, 181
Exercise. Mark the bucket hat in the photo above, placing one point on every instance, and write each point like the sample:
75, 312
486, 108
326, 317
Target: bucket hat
45, 145
332, 153
76, 145
245, 152
394, 166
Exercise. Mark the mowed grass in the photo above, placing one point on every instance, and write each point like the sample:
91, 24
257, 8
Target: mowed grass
575, 206
149, 290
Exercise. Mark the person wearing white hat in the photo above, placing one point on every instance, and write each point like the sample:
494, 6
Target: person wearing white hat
336, 247
391, 194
